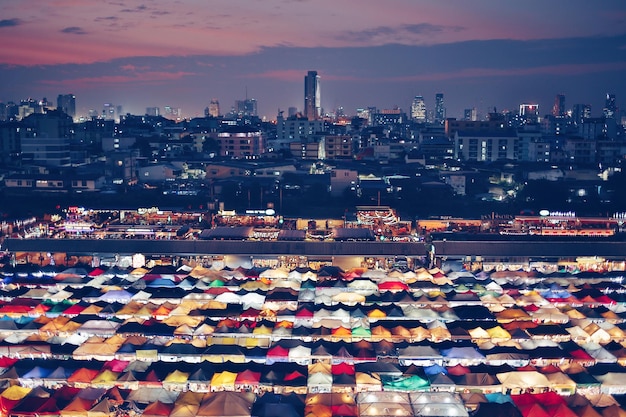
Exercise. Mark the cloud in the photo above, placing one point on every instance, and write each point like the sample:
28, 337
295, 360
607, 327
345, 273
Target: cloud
558, 70
397, 34
74, 30
106, 19
138, 9
133, 68
104, 80
5, 23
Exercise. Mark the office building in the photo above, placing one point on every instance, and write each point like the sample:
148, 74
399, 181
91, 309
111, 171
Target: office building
241, 142
440, 110
67, 104
153, 111
529, 113
418, 109
246, 108
487, 146
312, 96
470, 115
214, 109
580, 112
558, 109
610, 106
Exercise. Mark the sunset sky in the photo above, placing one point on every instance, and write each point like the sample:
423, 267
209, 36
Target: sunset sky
479, 53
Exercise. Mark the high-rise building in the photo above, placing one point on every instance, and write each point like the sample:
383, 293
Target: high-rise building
418, 109
312, 96
214, 108
67, 104
610, 106
172, 113
440, 110
108, 111
153, 111
580, 112
246, 108
558, 109
529, 113
470, 114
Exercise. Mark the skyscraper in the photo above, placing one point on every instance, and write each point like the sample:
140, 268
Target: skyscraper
580, 112
529, 113
312, 96
214, 108
418, 109
470, 114
246, 108
67, 104
153, 111
609, 106
440, 110
558, 109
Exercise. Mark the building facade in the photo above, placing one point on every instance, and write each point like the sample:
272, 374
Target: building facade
418, 109
312, 96
487, 146
241, 142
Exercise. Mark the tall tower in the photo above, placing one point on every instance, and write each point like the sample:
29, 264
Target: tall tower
312, 96
246, 108
440, 110
558, 110
581, 112
609, 106
418, 109
67, 104
214, 108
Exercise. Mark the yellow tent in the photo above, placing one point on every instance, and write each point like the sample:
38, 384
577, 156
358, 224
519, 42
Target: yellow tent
104, 379
376, 314
419, 333
223, 381
498, 334
15, 393
176, 380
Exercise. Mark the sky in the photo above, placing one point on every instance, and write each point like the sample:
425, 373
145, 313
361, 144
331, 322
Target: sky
369, 53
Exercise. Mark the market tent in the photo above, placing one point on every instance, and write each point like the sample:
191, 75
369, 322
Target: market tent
10, 397
226, 404
78, 407
223, 380
158, 409
497, 410
148, 395
186, 404
419, 355
613, 382
405, 383
105, 379
437, 404
384, 404
478, 382
176, 380
520, 381
247, 379
368, 381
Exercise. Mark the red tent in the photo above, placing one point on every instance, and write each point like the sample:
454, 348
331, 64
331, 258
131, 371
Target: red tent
533, 410
342, 368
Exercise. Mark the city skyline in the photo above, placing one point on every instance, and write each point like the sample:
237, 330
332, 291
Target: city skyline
482, 55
